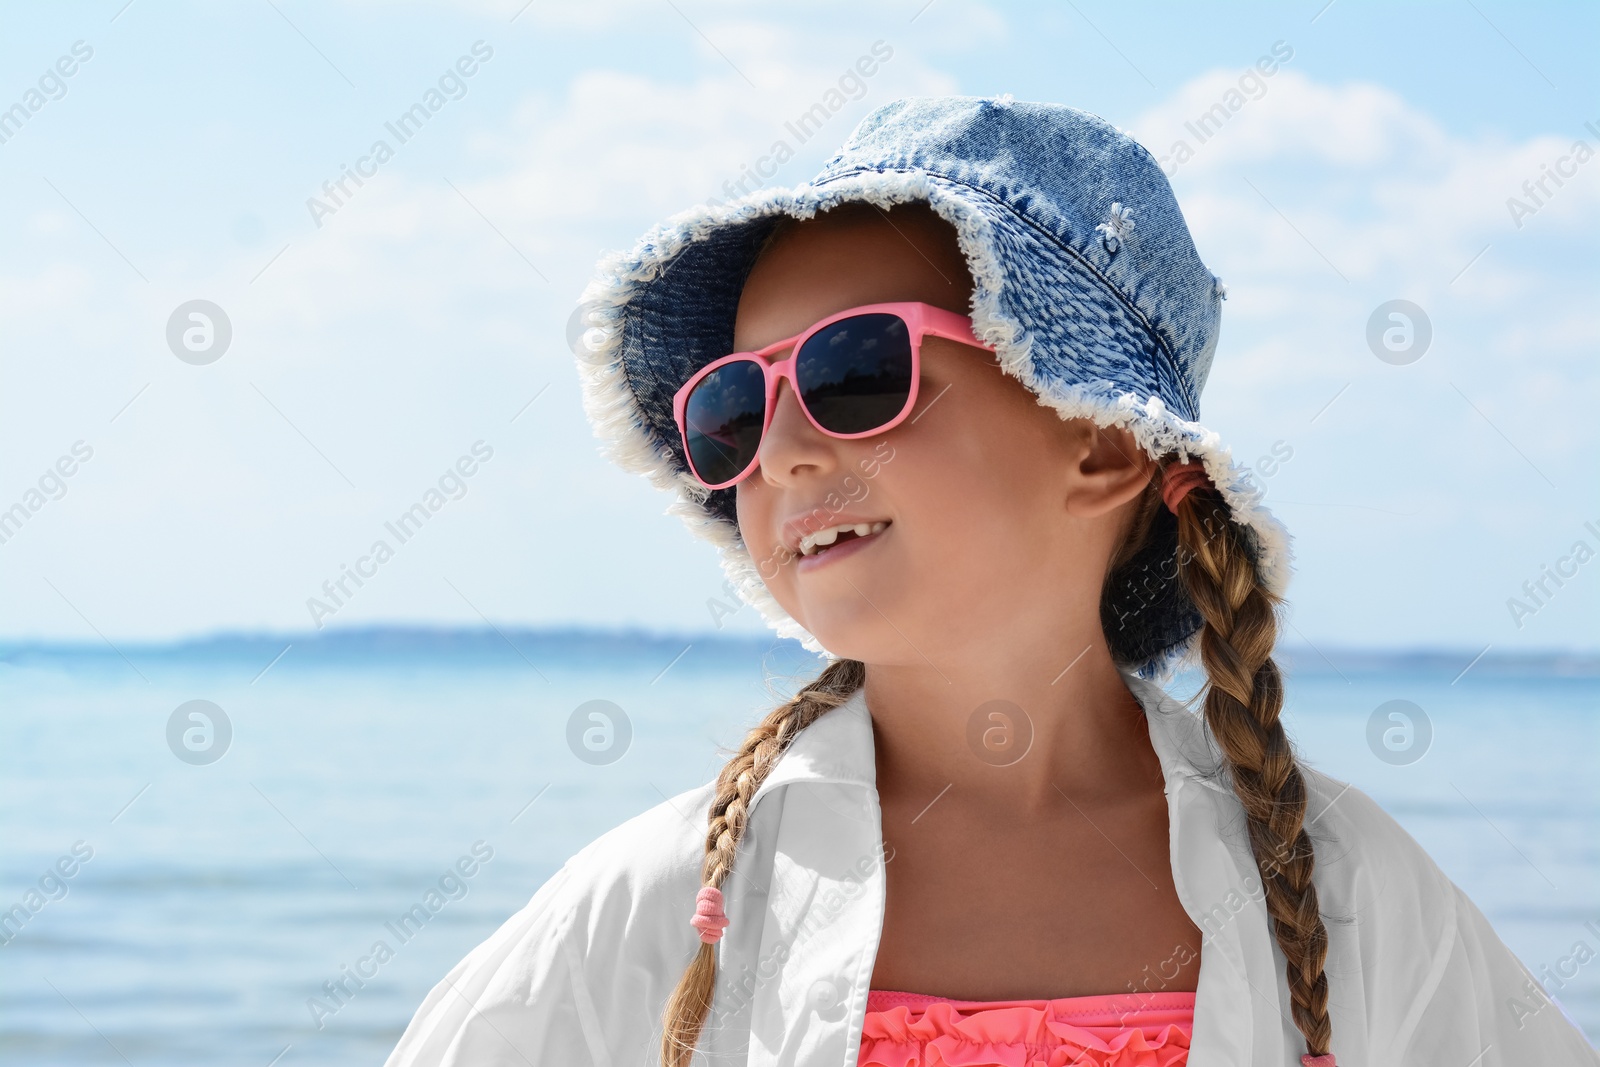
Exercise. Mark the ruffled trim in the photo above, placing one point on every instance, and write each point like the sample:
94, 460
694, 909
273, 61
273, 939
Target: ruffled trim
1097, 1031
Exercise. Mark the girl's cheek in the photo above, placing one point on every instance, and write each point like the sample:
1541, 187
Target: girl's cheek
870, 466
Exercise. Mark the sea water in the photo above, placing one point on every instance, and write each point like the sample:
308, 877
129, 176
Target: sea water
413, 788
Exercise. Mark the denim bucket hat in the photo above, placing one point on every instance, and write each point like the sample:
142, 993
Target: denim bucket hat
1085, 279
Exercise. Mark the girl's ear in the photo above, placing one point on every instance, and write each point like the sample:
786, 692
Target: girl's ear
1108, 469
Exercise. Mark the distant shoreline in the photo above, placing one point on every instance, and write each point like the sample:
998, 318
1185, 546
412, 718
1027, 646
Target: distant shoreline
380, 643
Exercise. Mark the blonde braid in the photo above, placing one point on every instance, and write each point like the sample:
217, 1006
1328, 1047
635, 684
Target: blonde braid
1243, 701
687, 1007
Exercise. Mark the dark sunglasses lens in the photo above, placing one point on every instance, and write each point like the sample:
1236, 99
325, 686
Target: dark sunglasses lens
855, 374
724, 415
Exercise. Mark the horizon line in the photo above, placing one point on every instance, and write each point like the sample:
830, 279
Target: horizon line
640, 633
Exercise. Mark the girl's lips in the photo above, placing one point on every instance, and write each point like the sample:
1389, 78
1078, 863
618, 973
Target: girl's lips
839, 551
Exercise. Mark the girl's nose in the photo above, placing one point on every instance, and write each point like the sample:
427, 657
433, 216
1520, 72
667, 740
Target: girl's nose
792, 444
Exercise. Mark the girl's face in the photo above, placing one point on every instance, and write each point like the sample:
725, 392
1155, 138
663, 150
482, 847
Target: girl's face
1000, 513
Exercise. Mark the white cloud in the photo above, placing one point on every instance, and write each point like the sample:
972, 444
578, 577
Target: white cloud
1308, 175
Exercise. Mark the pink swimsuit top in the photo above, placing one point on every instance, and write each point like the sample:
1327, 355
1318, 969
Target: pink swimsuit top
1113, 1030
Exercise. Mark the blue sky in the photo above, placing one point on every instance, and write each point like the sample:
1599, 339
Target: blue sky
374, 345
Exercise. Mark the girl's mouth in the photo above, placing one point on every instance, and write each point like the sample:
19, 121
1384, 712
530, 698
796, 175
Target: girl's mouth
847, 543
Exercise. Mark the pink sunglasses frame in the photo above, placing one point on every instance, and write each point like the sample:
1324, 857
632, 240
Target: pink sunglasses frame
920, 319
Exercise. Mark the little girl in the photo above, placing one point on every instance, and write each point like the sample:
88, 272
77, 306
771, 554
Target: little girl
937, 408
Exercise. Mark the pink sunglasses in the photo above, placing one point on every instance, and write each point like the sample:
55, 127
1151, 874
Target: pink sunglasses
855, 374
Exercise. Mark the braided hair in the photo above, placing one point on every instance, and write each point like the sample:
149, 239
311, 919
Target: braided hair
1221, 591
690, 1002
1243, 707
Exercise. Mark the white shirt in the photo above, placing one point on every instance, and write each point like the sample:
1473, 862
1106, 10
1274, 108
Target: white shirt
581, 974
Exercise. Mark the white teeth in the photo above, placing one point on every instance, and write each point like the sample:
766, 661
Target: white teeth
810, 543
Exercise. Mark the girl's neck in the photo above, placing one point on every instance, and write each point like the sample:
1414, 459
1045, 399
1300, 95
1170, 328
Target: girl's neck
1090, 738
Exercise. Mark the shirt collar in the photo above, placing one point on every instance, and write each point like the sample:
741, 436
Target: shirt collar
838, 746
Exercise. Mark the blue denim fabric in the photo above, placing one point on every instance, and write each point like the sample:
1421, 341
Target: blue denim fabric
1047, 176
1106, 320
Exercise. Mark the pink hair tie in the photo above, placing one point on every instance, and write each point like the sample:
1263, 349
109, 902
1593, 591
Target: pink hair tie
1324, 1060
709, 918
1176, 481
